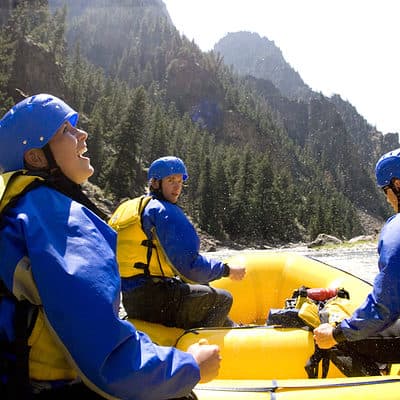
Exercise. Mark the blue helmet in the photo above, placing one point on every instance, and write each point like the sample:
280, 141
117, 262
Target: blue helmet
166, 166
31, 124
388, 167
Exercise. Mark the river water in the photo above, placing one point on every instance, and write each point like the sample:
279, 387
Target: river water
361, 261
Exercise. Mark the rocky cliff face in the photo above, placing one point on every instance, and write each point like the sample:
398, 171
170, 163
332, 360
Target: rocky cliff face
33, 69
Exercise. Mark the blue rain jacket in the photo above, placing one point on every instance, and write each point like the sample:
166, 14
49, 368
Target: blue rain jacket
180, 241
382, 306
72, 261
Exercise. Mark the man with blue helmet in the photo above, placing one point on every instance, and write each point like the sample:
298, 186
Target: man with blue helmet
60, 332
381, 309
164, 277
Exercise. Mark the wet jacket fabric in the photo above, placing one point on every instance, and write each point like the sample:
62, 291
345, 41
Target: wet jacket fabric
382, 306
167, 224
60, 256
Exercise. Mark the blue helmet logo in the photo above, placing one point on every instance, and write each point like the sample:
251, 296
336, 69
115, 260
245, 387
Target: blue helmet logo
388, 167
166, 166
31, 124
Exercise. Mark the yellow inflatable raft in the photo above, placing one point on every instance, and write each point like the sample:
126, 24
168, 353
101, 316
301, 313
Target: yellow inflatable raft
267, 362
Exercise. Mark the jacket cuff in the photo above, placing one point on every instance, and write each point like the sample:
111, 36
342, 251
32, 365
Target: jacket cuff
338, 334
227, 270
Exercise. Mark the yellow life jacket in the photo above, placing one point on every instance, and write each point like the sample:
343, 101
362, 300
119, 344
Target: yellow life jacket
13, 184
47, 359
136, 254
334, 309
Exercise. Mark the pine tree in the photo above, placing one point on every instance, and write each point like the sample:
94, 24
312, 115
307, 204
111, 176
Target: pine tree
96, 140
262, 209
221, 192
58, 45
284, 200
207, 219
7, 55
155, 144
125, 179
75, 77
240, 224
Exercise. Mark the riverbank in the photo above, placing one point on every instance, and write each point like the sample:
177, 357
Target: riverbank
371, 227
322, 242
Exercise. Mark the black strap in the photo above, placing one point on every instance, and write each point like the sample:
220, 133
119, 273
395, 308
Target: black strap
15, 363
146, 267
312, 366
147, 243
4, 290
150, 246
19, 381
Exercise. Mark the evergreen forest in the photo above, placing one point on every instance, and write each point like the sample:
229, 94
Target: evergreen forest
145, 91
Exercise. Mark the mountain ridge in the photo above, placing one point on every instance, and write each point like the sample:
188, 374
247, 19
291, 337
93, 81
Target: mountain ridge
277, 167
261, 63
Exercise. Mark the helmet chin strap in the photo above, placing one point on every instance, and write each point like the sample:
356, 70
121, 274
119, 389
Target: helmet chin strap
53, 167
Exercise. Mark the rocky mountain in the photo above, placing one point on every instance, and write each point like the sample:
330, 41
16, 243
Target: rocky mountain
255, 56
309, 150
261, 58
330, 129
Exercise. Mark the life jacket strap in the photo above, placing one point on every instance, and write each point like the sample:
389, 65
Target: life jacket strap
15, 381
148, 243
312, 366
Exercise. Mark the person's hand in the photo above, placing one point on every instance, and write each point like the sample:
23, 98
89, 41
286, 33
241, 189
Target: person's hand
237, 272
207, 357
323, 336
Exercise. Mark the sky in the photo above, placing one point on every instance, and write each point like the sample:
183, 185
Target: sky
345, 47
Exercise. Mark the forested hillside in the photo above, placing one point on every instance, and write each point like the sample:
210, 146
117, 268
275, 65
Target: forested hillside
261, 61
263, 167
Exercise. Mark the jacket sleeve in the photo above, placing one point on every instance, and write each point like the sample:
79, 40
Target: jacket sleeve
73, 265
180, 241
381, 308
